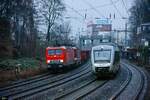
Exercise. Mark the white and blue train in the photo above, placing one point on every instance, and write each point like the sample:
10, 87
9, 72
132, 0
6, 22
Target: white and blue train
105, 59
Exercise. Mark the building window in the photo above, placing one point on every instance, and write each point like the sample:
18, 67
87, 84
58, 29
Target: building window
143, 28
148, 28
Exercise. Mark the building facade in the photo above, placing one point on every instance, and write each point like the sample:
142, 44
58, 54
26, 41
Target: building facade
98, 32
144, 34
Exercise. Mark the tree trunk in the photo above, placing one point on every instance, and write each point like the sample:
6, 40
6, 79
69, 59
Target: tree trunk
5, 39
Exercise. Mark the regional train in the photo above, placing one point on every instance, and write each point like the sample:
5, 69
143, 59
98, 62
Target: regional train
105, 59
63, 57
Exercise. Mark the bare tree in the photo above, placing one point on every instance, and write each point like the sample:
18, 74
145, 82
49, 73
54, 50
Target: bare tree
18, 15
65, 31
6, 13
140, 13
51, 10
24, 27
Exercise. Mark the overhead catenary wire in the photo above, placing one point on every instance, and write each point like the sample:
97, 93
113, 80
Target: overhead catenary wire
75, 18
92, 7
75, 11
116, 8
108, 4
125, 7
100, 6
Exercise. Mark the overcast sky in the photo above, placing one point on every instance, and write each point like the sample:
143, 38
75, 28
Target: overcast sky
76, 9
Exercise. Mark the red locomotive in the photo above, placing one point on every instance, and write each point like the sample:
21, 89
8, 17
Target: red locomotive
57, 57
60, 57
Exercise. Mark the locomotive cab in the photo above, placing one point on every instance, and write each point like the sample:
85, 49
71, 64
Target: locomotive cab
55, 57
105, 59
59, 57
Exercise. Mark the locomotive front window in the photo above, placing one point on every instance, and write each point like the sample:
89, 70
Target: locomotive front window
58, 52
51, 52
102, 55
54, 52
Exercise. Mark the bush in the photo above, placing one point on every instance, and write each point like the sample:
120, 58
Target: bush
25, 63
145, 53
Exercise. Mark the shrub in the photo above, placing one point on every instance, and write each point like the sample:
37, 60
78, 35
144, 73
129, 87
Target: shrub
24, 63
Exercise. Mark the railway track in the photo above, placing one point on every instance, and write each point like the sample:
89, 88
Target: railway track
142, 89
24, 80
12, 92
131, 88
123, 86
105, 91
31, 80
125, 91
80, 84
66, 88
73, 89
47, 87
82, 91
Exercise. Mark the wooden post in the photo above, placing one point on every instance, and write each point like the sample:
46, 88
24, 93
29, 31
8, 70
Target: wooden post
17, 70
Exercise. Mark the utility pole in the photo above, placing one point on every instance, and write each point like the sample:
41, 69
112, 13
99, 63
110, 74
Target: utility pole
117, 37
125, 31
125, 34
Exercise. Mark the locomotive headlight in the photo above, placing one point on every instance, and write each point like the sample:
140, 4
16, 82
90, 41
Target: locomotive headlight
61, 61
75, 58
48, 61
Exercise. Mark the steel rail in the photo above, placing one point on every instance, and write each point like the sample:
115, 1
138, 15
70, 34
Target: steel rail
123, 86
49, 85
76, 89
138, 93
143, 86
55, 79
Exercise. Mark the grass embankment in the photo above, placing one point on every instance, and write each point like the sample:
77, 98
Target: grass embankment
14, 69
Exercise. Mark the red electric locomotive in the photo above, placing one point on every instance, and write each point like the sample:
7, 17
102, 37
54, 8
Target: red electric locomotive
58, 57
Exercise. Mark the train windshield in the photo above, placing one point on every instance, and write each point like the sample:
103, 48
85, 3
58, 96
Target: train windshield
54, 52
58, 52
102, 56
